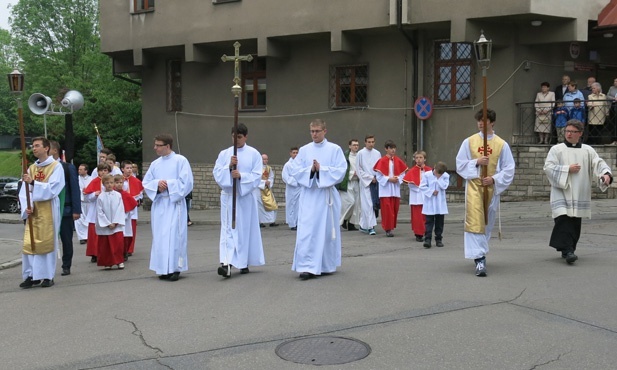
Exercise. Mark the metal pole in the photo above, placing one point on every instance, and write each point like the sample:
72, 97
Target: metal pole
24, 162
485, 133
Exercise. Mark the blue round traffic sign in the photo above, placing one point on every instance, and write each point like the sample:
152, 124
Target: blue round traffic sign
423, 108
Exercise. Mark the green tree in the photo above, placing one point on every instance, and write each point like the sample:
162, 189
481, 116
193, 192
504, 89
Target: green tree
60, 51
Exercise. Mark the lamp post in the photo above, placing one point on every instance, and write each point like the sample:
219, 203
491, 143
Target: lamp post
483, 48
16, 87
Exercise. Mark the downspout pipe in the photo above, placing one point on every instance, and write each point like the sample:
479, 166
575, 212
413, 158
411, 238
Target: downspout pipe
415, 56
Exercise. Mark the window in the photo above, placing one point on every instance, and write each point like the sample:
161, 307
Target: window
224, 1
143, 6
174, 85
254, 84
453, 72
348, 86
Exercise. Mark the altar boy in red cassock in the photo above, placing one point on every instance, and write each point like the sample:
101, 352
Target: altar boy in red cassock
129, 204
133, 186
91, 193
109, 226
390, 170
413, 177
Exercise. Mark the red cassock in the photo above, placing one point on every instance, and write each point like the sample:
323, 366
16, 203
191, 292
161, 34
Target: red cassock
389, 205
129, 204
92, 244
418, 220
135, 188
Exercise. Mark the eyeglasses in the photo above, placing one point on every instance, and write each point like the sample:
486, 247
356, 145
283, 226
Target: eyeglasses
316, 131
572, 132
160, 145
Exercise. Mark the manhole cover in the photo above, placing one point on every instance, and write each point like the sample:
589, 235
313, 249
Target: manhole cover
323, 350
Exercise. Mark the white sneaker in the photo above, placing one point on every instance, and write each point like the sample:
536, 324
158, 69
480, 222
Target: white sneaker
372, 232
481, 268
121, 266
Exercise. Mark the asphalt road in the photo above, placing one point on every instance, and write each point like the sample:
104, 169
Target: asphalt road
415, 308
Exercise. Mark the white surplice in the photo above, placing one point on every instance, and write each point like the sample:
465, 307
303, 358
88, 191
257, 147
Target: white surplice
434, 204
350, 199
242, 246
109, 210
81, 225
366, 160
476, 245
292, 195
318, 240
168, 212
43, 266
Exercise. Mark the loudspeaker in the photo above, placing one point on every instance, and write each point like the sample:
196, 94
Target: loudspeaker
73, 99
39, 103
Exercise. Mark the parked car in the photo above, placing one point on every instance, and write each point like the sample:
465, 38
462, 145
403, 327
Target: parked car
9, 203
5, 180
11, 188
17, 143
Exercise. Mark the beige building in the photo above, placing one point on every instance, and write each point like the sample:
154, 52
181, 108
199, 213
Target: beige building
358, 64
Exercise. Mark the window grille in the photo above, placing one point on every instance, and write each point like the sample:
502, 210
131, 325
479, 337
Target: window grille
348, 86
453, 82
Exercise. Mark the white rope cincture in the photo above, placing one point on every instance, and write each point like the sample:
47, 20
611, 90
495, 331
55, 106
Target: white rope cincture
329, 203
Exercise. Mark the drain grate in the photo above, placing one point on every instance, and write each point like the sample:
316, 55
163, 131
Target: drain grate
323, 350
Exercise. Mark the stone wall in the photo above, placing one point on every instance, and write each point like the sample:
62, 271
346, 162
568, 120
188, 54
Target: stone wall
529, 182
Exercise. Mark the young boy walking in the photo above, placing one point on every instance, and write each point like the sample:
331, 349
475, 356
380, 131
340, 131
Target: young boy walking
130, 204
91, 193
110, 217
413, 177
434, 207
390, 170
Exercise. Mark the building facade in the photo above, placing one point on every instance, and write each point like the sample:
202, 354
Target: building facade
357, 64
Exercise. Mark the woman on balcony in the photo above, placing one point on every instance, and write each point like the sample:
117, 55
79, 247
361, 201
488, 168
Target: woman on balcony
598, 106
545, 100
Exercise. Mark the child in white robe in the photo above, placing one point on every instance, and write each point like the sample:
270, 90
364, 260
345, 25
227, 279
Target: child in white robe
110, 217
434, 206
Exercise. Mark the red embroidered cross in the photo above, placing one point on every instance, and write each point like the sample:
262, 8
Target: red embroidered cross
40, 176
488, 149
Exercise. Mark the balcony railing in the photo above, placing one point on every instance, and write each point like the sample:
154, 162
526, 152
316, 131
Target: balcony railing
600, 118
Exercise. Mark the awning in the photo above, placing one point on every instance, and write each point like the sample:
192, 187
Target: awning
608, 15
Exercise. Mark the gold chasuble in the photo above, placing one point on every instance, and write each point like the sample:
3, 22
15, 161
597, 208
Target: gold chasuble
42, 216
266, 194
474, 209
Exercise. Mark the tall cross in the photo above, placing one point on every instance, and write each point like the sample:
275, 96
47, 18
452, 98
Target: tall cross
236, 59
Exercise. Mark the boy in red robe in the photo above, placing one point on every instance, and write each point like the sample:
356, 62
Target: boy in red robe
109, 226
129, 205
390, 170
133, 186
91, 192
413, 178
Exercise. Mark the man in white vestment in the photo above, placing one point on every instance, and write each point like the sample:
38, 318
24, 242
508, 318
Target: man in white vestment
500, 173
81, 225
349, 189
366, 160
318, 167
292, 192
44, 181
239, 247
105, 152
572, 168
167, 182
266, 183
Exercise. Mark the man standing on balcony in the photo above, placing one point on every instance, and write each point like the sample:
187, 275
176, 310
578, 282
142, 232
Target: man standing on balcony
572, 168
500, 173
562, 89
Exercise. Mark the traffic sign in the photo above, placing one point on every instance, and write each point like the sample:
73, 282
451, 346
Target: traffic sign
423, 108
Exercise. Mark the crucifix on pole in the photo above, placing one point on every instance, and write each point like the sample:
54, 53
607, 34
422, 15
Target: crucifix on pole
236, 90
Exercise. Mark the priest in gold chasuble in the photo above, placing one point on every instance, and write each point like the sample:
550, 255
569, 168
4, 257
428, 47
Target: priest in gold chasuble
500, 165
46, 180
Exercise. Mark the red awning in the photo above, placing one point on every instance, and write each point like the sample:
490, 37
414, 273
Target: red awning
608, 15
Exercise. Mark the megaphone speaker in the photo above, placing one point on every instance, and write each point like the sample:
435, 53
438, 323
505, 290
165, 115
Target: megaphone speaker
39, 103
73, 99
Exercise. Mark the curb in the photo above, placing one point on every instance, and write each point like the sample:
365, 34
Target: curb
10, 264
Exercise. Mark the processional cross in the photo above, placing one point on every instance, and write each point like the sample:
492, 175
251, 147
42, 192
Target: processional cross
236, 90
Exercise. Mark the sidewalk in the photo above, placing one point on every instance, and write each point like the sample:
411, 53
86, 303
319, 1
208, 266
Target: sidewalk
10, 248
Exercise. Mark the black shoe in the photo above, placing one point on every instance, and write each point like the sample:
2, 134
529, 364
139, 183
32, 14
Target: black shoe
65, 272
294, 228
224, 271
165, 277
439, 243
345, 225
427, 243
274, 224
175, 276
244, 270
389, 234
306, 276
28, 283
93, 259
47, 283
571, 257
351, 227
262, 225
419, 238
83, 241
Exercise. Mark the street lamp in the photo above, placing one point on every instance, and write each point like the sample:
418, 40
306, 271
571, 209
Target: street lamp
16, 87
483, 48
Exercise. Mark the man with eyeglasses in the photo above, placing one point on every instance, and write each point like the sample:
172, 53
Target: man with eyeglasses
572, 168
167, 183
318, 167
